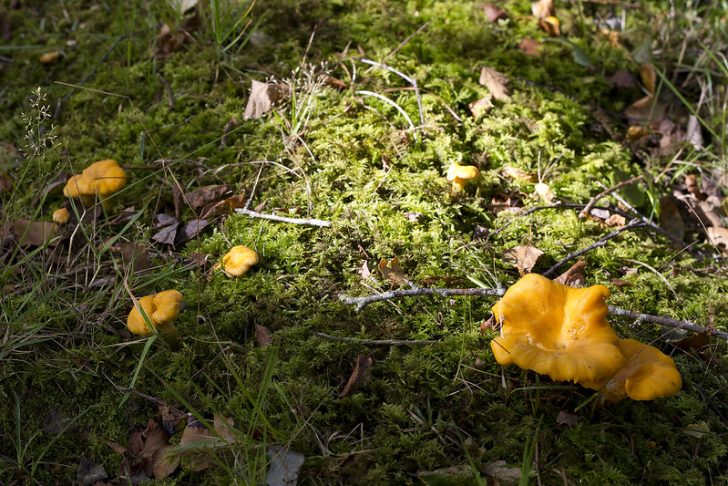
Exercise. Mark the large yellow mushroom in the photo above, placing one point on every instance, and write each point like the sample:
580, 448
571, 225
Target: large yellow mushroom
461, 175
238, 261
160, 310
101, 179
558, 331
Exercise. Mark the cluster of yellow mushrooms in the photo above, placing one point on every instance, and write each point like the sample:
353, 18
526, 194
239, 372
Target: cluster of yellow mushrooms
563, 332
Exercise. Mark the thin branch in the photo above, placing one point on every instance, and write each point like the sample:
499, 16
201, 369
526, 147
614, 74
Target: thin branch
409, 79
361, 302
600, 242
667, 322
390, 103
374, 342
283, 219
593, 201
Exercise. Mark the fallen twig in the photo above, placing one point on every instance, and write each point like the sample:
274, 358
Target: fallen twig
409, 79
375, 342
667, 322
283, 219
361, 302
592, 202
600, 242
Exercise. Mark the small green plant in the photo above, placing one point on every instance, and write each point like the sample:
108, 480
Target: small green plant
229, 23
39, 131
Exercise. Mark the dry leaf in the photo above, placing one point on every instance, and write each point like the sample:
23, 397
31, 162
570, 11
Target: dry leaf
335, 83
574, 276
364, 271
34, 233
49, 57
171, 418
649, 78
524, 257
207, 195
223, 427
170, 40
719, 237
615, 220
496, 82
363, 363
195, 439
262, 98
516, 173
164, 462
392, 271
670, 217
263, 336
542, 8
89, 472
284, 466
133, 255
636, 133
494, 13
226, 206
502, 473
710, 211
190, 230
565, 418
622, 79
694, 133
551, 25
696, 341
645, 109
124, 217
481, 106
167, 234
530, 47
544, 192
116, 447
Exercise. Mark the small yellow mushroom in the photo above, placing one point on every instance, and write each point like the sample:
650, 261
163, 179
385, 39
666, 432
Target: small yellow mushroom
238, 261
101, 178
61, 216
461, 175
160, 309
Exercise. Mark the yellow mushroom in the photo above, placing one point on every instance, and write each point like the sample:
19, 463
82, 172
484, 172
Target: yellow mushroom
558, 331
647, 374
101, 179
161, 310
461, 175
238, 261
61, 216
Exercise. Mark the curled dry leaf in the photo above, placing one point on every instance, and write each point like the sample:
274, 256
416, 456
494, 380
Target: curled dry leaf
524, 257
363, 363
262, 98
167, 234
496, 82
190, 230
574, 276
207, 195
670, 217
392, 271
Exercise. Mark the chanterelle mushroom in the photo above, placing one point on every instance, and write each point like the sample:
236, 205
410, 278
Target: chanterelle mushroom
161, 309
238, 261
558, 331
461, 175
101, 178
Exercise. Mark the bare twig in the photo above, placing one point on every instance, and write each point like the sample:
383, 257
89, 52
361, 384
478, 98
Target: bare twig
283, 219
600, 242
667, 322
361, 302
374, 342
402, 75
390, 103
592, 202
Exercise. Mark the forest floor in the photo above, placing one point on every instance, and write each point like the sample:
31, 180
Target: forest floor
273, 377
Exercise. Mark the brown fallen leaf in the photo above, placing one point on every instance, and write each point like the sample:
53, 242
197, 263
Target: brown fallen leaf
124, 217
524, 257
226, 206
262, 98
502, 473
615, 220
719, 237
392, 271
574, 276
551, 25
363, 363
223, 427
34, 233
696, 341
670, 218
622, 79
154, 439
645, 109
190, 230
481, 106
493, 12
566, 418
167, 234
710, 211
195, 439
171, 39
263, 336
694, 133
171, 418
496, 82
133, 255
335, 83
542, 8
648, 76
530, 47
116, 447
207, 195
165, 462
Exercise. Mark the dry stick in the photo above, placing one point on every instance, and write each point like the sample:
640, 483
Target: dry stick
283, 219
592, 202
361, 302
374, 342
600, 242
402, 75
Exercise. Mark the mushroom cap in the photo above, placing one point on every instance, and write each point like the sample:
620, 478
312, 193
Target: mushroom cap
61, 216
647, 374
238, 260
558, 331
161, 309
104, 177
461, 173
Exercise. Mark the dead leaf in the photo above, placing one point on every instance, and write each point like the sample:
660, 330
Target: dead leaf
530, 47
551, 25
195, 438
566, 418
392, 271
518, 174
696, 341
615, 220
136, 443
133, 255
284, 466
165, 462
335, 83
229, 126
542, 8
501, 472
670, 217
694, 133
117, 448
645, 109
263, 336
636, 133
167, 234
190, 230
487, 324
207, 195
524, 257
89, 472
161, 220
34, 233
622, 79
710, 211
171, 418
496, 82
124, 217
719, 237
262, 98
544, 191
226, 206
494, 13
154, 439
171, 39
648, 77
363, 363
178, 199
574, 276
364, 270
223, 427
481, 106
50, 57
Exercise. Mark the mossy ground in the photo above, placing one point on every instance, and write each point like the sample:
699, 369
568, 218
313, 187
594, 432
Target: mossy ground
352, 162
